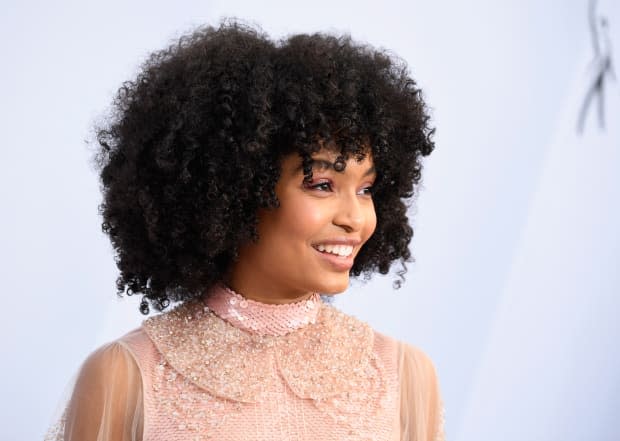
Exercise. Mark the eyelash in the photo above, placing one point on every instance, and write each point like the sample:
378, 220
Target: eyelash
318, 186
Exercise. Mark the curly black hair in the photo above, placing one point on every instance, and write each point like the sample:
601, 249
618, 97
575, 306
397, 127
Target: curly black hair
193, 145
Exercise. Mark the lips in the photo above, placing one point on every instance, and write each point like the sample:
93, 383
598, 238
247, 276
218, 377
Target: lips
336, 262
337, 253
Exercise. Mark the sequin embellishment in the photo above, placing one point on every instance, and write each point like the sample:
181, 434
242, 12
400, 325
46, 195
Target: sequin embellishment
261, 318
329, 360
332, 356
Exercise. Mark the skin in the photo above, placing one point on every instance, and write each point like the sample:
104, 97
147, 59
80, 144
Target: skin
283, 266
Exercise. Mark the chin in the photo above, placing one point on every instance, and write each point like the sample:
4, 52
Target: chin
334, 285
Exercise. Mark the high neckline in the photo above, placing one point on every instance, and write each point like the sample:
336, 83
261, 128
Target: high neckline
261, 318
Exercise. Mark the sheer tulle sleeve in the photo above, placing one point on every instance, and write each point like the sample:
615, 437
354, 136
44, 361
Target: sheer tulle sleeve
422, 417
106, 402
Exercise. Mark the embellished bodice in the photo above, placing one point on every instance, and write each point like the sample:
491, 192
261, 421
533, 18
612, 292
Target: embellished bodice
230, 368
226, 368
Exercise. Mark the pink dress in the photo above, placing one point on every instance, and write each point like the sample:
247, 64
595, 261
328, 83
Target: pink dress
229, 368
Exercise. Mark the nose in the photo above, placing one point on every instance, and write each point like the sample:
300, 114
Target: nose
349, 213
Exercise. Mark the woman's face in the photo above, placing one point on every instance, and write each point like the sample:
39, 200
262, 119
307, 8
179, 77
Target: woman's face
309, 243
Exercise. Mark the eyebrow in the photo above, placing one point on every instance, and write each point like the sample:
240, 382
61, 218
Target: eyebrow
324, 164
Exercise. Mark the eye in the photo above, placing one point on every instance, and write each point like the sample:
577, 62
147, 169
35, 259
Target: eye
321, 186
366, 191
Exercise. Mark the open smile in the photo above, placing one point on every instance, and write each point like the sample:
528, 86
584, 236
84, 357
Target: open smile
339, 250
339, 258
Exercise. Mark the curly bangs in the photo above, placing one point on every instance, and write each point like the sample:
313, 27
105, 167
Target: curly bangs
193, 149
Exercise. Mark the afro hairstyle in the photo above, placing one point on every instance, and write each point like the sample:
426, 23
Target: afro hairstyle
192, 149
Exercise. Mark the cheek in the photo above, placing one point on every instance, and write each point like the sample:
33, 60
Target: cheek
295, 223
306, 220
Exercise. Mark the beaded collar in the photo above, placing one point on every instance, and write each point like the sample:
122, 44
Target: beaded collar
332, 355
261, 318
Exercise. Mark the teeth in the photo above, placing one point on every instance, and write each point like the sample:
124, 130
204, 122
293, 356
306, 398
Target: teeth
340, 250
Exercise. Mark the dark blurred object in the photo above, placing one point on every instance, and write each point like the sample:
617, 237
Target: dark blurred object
601, 67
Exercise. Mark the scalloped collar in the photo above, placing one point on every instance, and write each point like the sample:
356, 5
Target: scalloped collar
332, 356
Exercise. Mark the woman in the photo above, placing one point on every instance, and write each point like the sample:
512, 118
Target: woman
241, 178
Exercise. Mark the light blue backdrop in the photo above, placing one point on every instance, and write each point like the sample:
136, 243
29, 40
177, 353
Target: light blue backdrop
515, 289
